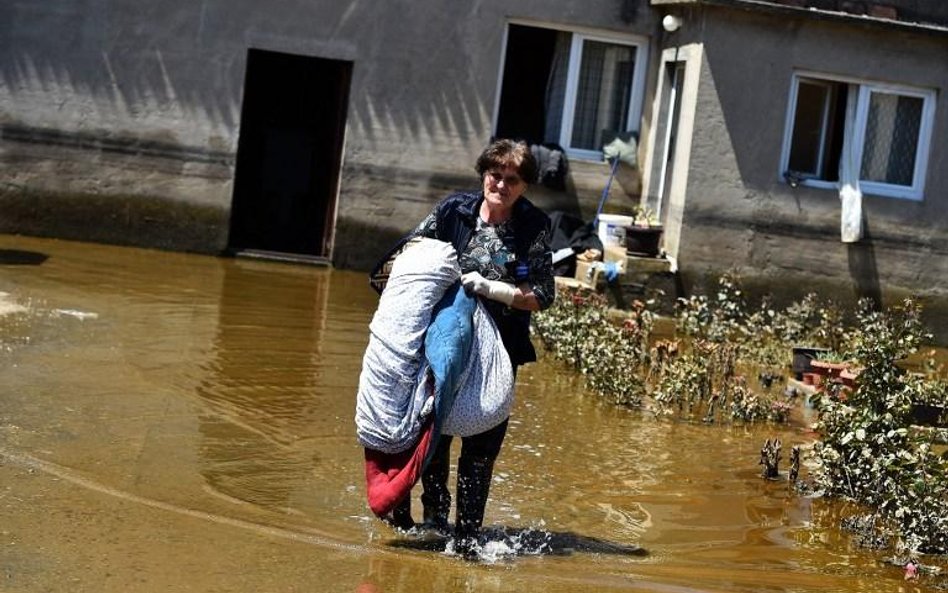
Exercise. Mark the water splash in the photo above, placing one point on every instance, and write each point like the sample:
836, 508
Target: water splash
80, 315
500, 544
8, 306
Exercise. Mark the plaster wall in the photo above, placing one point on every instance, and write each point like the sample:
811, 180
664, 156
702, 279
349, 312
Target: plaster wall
119, 120
740, 215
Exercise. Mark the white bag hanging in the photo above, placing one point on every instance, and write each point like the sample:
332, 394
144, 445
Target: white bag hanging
850, 196
851, 218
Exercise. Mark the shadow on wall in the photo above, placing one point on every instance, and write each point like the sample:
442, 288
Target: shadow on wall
184, 67
70, 53
863, 268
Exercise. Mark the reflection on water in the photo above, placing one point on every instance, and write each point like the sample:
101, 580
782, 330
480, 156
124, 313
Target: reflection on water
259, 383
192, 428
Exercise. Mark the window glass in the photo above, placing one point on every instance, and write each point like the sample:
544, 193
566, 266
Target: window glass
892, 132
809, 123
887, 130
577, 91
602, 94
556, 87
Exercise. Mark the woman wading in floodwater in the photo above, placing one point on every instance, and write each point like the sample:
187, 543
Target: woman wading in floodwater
502, 242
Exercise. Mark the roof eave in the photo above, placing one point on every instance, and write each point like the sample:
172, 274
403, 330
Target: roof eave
819, 13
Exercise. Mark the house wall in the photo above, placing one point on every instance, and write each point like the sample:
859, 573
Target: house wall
119, 120
740, 215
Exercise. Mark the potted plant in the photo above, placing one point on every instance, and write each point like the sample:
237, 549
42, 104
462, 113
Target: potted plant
829, 364
803, 356
644, 235
835, 369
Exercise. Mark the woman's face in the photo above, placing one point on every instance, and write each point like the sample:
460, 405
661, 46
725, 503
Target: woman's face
503, 186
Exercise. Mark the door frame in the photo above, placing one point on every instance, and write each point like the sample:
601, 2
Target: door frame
341, 71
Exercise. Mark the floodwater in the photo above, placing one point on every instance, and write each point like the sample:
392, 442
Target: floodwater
172, 422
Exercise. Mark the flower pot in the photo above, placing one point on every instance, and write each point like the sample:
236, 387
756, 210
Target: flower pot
828, 369
643, 241
803, 356
813, 379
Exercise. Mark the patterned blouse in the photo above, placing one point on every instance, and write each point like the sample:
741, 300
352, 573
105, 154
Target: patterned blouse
491, 253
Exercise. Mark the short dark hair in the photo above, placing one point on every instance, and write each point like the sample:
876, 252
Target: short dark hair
513, 153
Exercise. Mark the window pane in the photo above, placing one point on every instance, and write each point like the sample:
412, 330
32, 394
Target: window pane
892, 131
809, 127
602, 97
556, 87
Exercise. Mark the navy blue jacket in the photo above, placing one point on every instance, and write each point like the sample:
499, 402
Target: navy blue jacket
456, 221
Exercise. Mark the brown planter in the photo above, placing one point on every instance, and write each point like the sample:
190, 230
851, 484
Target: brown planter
642, 240
828, 369
811, 379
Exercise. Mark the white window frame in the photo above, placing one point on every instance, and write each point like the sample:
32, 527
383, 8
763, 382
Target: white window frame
857, 134
636, 92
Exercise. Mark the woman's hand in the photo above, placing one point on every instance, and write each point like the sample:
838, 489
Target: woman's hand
492, 289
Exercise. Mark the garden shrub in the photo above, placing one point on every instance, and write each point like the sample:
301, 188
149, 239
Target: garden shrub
868, 450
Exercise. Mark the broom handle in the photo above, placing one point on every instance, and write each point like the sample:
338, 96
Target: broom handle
605, 191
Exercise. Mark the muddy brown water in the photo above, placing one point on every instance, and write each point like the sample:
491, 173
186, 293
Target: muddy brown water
174, 422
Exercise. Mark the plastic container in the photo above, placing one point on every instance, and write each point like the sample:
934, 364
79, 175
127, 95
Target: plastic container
611, 229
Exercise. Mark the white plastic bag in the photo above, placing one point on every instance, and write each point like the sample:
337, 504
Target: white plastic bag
851, 217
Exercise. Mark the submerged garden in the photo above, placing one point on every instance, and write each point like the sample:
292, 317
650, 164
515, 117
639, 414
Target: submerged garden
730, 362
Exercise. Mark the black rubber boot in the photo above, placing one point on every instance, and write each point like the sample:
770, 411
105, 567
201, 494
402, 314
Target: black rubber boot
435, 497
474, 475
400, 517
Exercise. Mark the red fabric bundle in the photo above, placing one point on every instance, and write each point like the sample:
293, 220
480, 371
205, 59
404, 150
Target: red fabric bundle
389, 477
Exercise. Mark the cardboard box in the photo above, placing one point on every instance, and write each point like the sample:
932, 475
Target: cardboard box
615, 254
588, 272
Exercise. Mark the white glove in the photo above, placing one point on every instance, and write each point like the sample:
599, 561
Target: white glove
492, 289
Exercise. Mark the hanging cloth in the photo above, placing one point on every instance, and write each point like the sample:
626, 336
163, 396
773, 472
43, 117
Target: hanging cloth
850, 195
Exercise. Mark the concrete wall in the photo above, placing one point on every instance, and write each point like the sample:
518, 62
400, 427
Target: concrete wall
119, 120
741, 215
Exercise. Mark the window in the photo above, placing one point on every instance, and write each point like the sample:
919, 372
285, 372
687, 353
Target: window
601, 105
886, 128
575, 90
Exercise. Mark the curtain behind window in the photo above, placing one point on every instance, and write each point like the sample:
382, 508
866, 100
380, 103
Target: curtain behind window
602, 99
892, 131
556, 88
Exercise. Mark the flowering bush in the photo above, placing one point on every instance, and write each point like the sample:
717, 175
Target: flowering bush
613, 357
868, 451
618, 361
